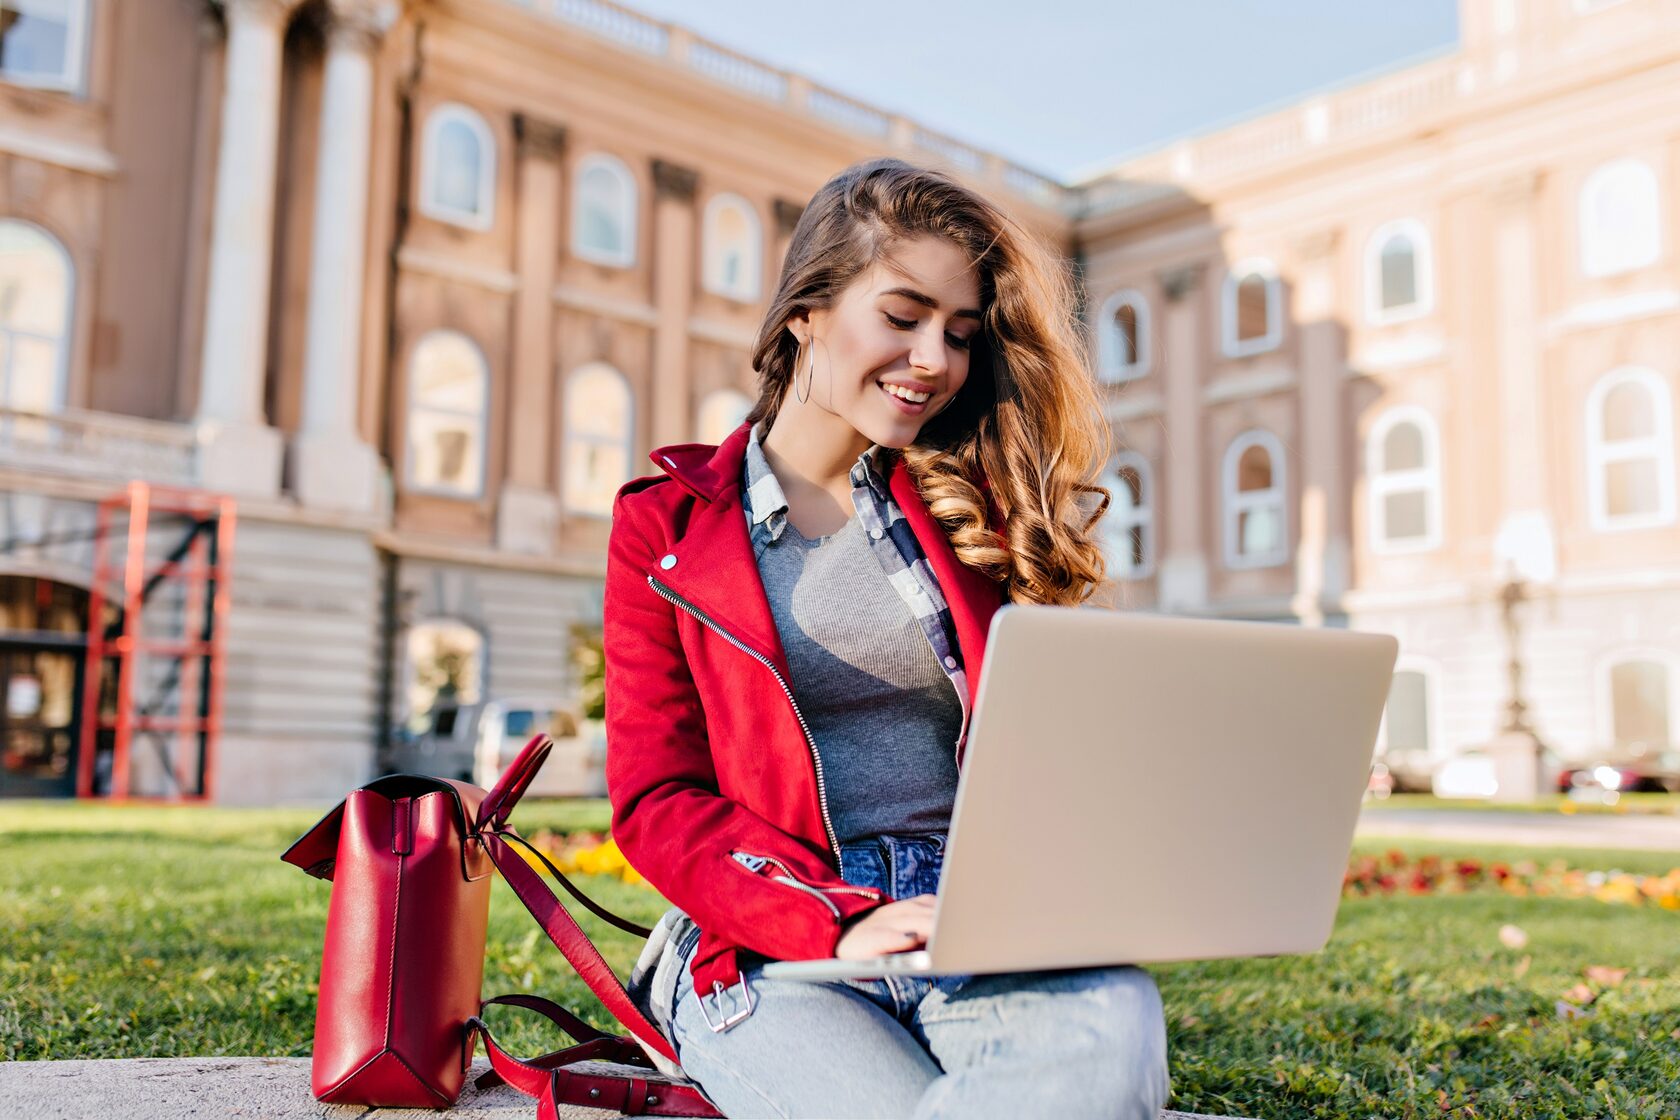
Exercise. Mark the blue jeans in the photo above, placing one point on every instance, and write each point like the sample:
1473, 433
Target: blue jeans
1081, 1042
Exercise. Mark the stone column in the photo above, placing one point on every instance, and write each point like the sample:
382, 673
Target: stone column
673, 297
331, 466
528, 510
1322, 553
238, 451
1526, 544
1182, 579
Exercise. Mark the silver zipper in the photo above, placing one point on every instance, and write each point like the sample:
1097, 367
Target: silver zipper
754, 863
816, 761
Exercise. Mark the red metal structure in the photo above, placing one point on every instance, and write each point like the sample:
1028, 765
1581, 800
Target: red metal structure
181, 662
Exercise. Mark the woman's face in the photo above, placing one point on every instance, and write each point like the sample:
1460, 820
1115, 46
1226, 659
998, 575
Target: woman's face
906, 322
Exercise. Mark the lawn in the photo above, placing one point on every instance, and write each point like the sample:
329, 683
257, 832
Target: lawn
1627, 804
145, 931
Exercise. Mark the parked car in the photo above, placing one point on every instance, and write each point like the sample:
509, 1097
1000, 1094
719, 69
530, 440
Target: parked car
1635, 770
476, 742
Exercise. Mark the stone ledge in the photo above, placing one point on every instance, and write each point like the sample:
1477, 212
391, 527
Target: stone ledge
271, 1088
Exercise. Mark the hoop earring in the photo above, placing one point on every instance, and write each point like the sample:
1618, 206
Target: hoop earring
809, 376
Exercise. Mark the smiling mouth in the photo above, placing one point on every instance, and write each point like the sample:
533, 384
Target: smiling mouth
906, 396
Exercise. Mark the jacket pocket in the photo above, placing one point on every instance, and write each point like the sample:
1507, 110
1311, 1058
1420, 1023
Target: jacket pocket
776, 871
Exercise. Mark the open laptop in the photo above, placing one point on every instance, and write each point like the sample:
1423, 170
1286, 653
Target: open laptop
1139, 788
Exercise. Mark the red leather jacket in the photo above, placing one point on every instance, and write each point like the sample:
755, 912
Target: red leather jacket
714, 781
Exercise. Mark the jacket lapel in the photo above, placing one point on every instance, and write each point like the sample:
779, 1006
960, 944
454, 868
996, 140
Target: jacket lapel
714, 567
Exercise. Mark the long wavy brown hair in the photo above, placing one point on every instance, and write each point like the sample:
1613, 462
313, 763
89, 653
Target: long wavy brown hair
1025, 430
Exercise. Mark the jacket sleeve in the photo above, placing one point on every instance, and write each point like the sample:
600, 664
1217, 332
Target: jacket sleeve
668, 817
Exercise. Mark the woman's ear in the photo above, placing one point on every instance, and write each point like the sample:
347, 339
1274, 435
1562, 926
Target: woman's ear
799, 325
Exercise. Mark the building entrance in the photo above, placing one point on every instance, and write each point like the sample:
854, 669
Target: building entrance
43, 650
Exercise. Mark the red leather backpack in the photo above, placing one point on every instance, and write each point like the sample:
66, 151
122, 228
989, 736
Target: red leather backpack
410, 859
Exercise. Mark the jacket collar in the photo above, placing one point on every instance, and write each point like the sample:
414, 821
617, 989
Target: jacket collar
714, 567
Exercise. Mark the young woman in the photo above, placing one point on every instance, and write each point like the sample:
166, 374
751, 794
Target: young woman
795, 623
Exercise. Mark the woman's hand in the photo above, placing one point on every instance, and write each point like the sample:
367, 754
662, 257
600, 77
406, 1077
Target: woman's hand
893, 928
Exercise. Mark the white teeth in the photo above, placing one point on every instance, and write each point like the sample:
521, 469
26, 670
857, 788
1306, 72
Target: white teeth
906, 394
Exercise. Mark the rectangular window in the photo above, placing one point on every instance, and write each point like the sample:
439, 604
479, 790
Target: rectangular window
1406, 515
41, 42
1408, 712
1631, 488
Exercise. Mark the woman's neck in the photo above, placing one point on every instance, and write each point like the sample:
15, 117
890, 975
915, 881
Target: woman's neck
811, 447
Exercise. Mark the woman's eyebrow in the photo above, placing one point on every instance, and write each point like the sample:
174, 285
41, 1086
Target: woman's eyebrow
931, 303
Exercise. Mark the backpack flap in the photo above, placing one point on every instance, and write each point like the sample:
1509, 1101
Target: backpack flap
316, 851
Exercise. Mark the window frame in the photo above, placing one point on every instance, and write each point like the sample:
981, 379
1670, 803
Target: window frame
1233, 346
61, 364
72, 79
411, 404
629, 201
570, 435
1111, 371
1380, 482
1599, 455
1593, 263
711, 261
432, 206
1423, 273
1233, 502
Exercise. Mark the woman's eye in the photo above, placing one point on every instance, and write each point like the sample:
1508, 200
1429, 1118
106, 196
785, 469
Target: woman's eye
907, 324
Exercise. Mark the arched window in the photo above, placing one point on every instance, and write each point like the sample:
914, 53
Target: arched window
449, 391
1621, 218
596, 444
721, 413
1123, 337
445, 668
604, 212
458, 168
1128, 528
1253, 309
734, 248
43, 43
1403, 469
1640, 695
36, 288
1255, 521
1630, 450
1399, 273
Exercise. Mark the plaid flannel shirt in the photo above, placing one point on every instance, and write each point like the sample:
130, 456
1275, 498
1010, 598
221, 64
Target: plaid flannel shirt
890, 539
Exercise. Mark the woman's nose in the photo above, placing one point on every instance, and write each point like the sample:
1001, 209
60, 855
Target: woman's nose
929, 353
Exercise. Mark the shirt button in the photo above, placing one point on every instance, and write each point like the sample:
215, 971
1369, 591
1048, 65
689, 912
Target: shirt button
876, 533
668, 561
950, 663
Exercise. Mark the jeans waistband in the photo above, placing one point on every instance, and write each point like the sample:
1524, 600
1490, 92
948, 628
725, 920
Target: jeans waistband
902, 865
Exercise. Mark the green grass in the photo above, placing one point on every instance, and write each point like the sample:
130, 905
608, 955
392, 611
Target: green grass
149, 931
1629, 804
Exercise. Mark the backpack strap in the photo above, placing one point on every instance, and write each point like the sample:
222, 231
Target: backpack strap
573, 943
547, 1079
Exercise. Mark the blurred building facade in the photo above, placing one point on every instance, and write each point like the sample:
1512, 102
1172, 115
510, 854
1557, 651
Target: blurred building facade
421, 283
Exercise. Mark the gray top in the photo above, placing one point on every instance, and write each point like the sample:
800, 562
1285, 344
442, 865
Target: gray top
880, 707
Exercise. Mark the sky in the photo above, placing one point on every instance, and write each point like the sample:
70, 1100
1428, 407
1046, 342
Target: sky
1067, 87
